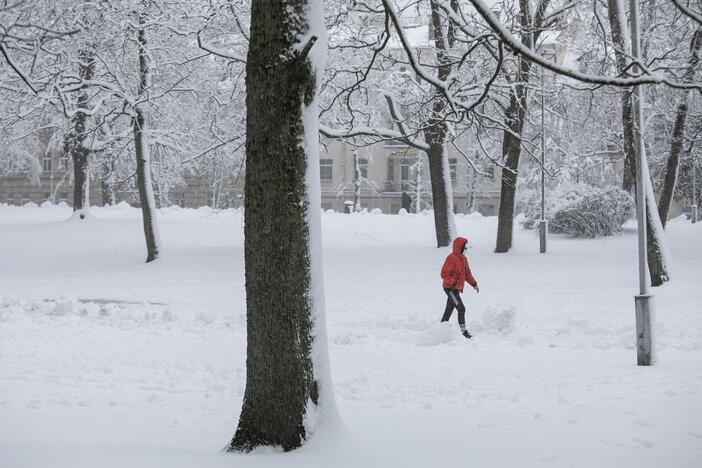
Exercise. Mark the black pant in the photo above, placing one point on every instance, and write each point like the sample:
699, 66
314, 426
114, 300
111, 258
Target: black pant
454, 301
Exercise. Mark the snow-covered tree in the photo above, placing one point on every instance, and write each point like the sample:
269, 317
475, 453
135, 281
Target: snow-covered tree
288, 385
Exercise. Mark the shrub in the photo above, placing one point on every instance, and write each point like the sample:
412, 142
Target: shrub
582, 210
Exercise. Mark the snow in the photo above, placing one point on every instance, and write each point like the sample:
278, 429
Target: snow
108, 361
324, 414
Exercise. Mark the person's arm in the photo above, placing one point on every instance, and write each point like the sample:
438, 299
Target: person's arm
471, 279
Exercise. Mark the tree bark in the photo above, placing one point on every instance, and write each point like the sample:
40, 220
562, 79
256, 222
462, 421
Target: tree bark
671, 170
76, 139
283, 303
622, 50
435, 136
356, 182
514, 121
676, 144
511, 150
655, 251
143, 155
107, 184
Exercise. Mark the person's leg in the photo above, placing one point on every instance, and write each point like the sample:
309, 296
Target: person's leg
461, 312
450, 304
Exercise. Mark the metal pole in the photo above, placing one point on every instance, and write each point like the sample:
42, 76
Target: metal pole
643, 301
693, 207
543, 224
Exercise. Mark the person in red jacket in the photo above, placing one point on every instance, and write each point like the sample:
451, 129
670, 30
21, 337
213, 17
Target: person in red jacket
454, 274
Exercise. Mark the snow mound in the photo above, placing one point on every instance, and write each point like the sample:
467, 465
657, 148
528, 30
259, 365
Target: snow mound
439, 333
119, 314
498, 320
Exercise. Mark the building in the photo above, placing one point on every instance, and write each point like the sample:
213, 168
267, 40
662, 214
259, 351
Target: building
386, 170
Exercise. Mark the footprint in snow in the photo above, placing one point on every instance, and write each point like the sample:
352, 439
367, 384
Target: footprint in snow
644, 443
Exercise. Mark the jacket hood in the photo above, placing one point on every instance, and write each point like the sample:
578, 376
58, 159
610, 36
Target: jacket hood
458, 244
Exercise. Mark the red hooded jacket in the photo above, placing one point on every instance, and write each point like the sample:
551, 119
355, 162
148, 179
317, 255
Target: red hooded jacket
456, 271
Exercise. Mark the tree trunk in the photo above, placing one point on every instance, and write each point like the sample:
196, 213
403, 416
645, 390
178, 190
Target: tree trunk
143, 156
435, 136
356, 182
671, 170
76, 140
287, 382
107, 184
656, 249
514, 121
511, 150
676, 144
441, 190
629, 175
622, 49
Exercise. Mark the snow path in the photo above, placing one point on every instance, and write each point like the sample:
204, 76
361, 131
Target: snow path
105, 361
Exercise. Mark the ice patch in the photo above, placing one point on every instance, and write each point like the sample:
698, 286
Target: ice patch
437, 334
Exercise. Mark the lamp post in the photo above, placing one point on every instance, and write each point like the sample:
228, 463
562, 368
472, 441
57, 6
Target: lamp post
693, 207
644, 300
543, 223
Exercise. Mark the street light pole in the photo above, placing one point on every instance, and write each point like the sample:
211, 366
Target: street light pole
644, 300
693, 207
543, 224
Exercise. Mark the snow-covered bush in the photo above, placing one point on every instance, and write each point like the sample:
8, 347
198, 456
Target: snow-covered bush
582, 210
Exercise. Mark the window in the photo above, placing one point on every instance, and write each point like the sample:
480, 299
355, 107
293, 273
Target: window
490, 171
391, 170
179, 199
487, 210
63, 163
363, 167
47, 196
25, 199
404, 174
453, 166
63, 197
325, 169
404, 170
47, 163
10, 198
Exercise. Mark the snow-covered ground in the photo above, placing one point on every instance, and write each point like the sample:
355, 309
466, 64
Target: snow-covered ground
108, 362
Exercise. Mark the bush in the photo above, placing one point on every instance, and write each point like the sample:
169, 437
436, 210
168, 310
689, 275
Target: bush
582, 210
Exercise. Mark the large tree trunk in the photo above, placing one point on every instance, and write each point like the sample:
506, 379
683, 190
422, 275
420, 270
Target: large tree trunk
287, 381
435, 136
656, 248
511, 152
629, 175
676, 144
143, 156
441, 189
76, 141
671, 170
514, 121
622, 49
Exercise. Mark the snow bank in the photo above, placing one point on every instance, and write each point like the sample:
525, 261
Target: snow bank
437, 334
124, 315
496, 319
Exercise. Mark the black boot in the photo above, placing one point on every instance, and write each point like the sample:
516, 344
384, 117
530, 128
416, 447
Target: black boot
467, 335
